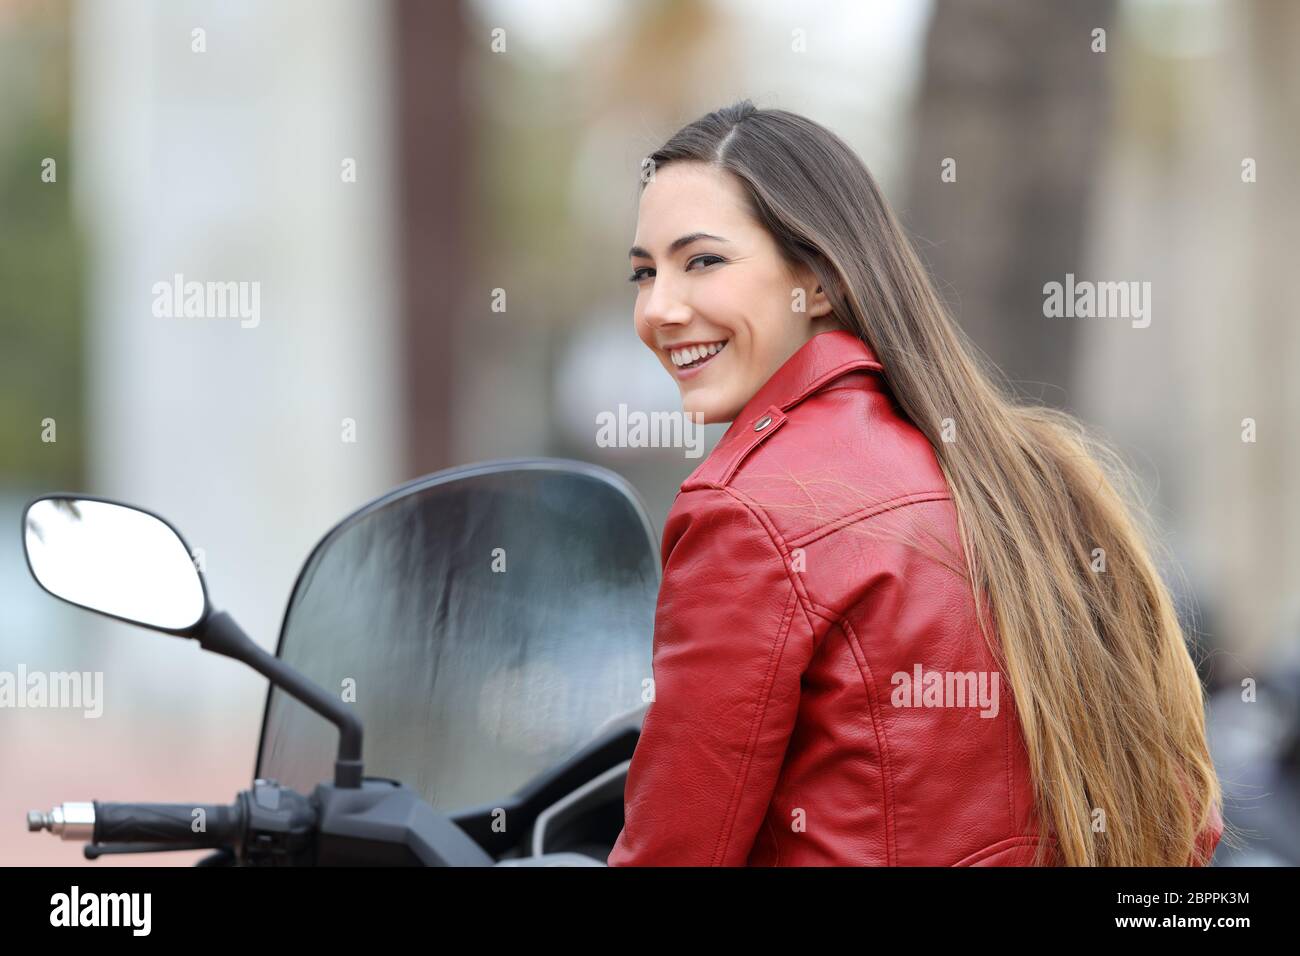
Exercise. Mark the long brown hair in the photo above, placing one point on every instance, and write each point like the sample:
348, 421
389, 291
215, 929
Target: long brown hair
1100, 672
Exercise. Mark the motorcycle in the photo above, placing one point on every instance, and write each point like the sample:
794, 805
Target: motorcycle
486, 630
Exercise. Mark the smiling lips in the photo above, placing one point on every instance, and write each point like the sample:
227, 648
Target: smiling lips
694, 356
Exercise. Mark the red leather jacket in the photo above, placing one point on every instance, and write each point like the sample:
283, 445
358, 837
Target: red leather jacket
791, 629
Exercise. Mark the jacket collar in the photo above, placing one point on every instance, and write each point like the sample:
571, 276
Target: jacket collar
819, 361
823, 358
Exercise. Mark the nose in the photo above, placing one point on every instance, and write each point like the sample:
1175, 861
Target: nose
664, 306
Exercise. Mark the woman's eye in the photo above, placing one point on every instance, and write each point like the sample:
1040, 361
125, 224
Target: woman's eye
645, 271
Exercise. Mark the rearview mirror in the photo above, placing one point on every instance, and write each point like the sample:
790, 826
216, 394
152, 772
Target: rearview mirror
114, 559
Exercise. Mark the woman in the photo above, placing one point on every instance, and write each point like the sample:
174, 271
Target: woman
904, 620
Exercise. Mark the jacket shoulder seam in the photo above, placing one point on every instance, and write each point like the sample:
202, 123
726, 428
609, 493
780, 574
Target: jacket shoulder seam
806, 604
867, 512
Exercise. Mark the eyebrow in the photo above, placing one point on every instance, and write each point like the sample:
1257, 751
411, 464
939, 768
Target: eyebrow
676, 244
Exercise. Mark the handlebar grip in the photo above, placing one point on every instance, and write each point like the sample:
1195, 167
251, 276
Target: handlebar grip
200, 825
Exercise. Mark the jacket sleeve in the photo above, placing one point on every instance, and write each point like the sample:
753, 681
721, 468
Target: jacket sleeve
731, 643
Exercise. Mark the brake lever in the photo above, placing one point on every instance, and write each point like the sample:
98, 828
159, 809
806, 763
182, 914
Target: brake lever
93, 851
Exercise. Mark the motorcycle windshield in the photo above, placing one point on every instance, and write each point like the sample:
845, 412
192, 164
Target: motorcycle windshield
484, 623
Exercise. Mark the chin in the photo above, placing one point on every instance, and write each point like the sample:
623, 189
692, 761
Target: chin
712, 411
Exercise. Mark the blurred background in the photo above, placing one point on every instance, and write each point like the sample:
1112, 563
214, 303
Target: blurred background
435, 200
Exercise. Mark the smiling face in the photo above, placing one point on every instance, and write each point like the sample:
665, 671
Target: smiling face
715, 300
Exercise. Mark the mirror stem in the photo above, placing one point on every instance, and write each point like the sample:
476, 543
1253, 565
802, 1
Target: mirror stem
220, 634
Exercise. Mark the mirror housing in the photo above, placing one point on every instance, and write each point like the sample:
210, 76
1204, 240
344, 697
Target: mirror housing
129, 564
114, 559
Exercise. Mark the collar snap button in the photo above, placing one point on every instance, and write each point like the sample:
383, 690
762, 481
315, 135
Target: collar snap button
762, 423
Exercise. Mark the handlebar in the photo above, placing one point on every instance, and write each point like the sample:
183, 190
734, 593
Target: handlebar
268, 823
203, 825
381, 823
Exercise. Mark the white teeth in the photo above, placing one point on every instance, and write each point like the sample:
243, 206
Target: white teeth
686, 356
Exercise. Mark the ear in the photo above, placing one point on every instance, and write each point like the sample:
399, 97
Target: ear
816, 303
